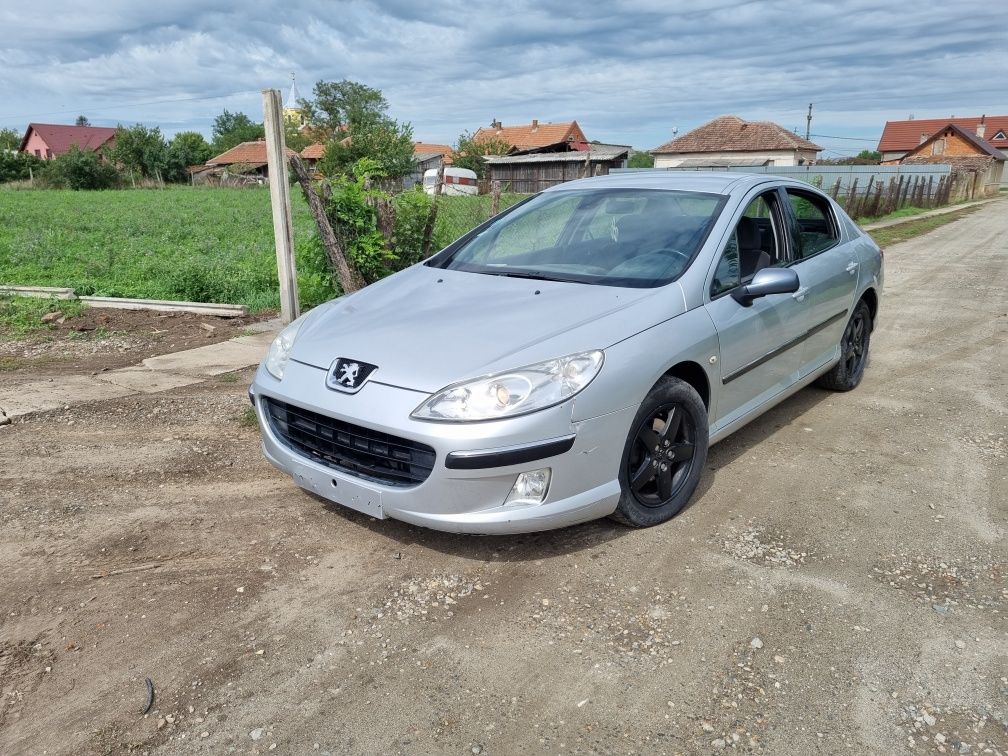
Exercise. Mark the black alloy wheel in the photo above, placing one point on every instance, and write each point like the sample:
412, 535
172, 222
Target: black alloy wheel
662, 456
854, 345
846, 374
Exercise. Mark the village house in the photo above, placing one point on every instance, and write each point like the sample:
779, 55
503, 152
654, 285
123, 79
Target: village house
532, 135
967, 153
900, 137
533, 170
730, 141
49, 140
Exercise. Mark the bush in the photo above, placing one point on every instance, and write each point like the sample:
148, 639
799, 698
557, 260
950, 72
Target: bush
355, 222
80, 169
412, 208
18, 166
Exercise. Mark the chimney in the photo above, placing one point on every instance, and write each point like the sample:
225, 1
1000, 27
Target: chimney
535, 124
982, 127
495, 124
923, 138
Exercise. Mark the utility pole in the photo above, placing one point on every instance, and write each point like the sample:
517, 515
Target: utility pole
808, 122
279, 184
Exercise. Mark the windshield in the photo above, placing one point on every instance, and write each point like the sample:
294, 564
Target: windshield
614, 237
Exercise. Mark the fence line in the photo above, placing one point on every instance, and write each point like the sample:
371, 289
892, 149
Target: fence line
868, 191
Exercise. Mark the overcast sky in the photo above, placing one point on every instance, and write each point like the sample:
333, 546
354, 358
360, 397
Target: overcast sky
630, 73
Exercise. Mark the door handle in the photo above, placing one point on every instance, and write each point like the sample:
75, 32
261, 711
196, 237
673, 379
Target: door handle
800, 294
852, 267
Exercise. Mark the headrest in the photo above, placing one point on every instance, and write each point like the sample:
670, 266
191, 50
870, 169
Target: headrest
748, 234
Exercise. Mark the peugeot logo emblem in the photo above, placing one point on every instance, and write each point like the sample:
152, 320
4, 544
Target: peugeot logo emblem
348, 375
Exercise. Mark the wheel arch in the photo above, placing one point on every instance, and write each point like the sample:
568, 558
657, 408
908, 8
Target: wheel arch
870, 298
692, 373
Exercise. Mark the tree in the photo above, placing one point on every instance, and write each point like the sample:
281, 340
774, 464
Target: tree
471, 154
141, 150
231, 129
82, 120
9, 139
186, 148
641, 160
873, 155
80, 169
353, 118
295, 139
389, 145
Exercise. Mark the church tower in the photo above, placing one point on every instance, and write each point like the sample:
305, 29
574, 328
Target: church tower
293, 114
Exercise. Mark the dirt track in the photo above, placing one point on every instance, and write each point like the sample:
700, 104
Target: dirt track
837, 586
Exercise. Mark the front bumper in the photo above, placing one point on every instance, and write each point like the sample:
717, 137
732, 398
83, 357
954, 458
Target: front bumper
462, 495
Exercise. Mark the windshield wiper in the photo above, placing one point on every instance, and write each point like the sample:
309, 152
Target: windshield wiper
522, 274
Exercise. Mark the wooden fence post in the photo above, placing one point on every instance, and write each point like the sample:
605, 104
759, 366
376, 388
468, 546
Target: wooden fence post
279, 184
495, 192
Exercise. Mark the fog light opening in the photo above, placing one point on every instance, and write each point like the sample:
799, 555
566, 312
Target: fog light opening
529, 488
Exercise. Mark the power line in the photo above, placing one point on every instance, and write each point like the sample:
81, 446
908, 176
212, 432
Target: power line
852, 139
90, 109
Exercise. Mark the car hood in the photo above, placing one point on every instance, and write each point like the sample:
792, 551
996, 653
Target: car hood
426, 328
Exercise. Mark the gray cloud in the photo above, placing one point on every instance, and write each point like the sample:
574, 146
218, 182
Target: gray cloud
628, 74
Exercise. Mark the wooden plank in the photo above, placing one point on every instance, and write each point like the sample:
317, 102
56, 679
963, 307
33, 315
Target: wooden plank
159, 305
44, 292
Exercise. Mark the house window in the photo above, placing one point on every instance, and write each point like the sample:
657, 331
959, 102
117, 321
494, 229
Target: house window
48, 154
938, 146
38, 153
1000, 135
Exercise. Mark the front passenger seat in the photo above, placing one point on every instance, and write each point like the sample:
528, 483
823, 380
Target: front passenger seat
752, 257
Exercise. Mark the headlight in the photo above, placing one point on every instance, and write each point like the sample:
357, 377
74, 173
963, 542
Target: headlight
279, 351
516, 392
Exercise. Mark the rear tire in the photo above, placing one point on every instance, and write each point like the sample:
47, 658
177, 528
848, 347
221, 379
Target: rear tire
664, 455
847, 373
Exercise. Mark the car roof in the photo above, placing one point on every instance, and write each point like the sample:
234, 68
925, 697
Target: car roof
688, 181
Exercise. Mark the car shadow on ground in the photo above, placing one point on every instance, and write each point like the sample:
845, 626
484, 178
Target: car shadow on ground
570, 540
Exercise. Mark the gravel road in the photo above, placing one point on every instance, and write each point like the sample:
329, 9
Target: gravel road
838, 584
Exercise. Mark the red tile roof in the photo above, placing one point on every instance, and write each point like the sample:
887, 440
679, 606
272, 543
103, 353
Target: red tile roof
61, 138
430, 148
732, 134
903, 136
313, 151
246, 152
535, 134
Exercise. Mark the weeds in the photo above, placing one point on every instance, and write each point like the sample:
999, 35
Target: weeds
21, 315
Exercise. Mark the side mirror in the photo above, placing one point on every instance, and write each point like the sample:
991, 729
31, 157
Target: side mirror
767, 281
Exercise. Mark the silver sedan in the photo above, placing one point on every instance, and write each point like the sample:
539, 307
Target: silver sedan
575, 356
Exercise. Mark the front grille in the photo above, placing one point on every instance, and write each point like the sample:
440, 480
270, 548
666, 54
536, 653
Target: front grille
349, 448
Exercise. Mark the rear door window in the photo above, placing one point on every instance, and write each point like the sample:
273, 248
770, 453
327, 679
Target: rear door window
817, 229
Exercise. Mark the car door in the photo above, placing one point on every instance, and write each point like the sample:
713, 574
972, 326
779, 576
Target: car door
828, 270
758, 358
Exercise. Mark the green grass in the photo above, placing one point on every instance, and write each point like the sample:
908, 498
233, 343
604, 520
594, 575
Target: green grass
903, 212
21, 315
197, 244
890, 235
194, 244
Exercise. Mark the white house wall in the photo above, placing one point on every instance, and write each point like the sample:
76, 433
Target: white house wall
779, 157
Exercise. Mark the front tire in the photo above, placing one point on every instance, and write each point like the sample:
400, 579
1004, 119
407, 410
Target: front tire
847, 373
664, 455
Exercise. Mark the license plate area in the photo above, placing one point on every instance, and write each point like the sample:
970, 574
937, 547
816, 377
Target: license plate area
349, 493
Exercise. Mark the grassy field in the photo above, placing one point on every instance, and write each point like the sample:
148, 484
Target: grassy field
197, 244
185, 243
